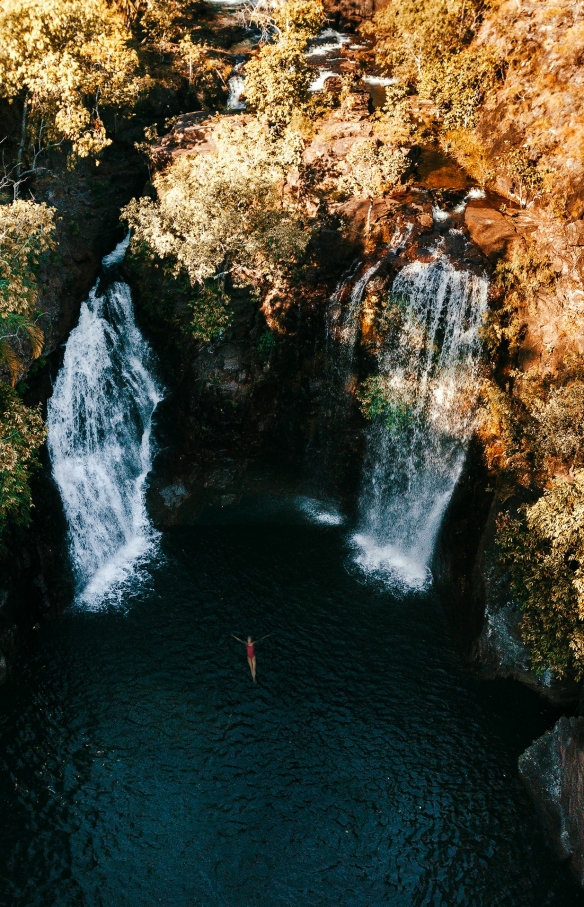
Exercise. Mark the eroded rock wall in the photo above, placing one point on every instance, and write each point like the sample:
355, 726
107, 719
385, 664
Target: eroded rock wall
553, 772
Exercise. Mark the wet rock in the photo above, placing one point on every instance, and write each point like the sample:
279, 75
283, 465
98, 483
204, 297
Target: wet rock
500, 652
552, 769
173, 495
491, 231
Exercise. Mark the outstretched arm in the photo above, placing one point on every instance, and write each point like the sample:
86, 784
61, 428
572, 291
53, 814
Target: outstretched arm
238, 639
255, 642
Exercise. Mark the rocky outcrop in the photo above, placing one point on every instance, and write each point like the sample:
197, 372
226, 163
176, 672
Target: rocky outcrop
350, 13
499, 650
493, 233
539, 102
553, 772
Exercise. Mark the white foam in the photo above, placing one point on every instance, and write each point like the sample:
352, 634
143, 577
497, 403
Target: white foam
236, 85
117, 256
318, 83
318, 512
99, 420
397, 568
379, 80
339, 36
415, 453
472, 193
439, 214
321, 50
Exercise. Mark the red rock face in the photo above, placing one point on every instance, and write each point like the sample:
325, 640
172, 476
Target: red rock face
493, 233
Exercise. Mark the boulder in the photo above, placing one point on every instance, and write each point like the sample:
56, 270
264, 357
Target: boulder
493, 233
552, 769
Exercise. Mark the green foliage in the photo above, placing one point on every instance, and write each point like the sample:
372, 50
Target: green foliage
520, 277
372, 168
210, 312
266, 343
21, 434
379, 398
543, 552
470, 152
62, 60
394, 123
458, 83
424, 43
225, 212
278, 78
26, 233
205, 73
277, 81
411, 33
529, 182
558, 433
301, 18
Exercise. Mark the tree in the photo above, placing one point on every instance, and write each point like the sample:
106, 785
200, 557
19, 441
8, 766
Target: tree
278, 78
277, 81
410, 33
544, 554
61, 61
424, 43
21, 434
281, 18
26, 232
225, 213
528, 181
372, 169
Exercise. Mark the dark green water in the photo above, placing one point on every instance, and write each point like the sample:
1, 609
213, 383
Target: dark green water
140, 766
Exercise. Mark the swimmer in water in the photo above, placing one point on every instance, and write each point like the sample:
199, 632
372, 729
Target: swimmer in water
251, 658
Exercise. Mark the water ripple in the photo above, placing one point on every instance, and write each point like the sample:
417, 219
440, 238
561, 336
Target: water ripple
140, 765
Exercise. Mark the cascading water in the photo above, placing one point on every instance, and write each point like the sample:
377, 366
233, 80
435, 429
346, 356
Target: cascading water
236, 87
99, 420
425, 396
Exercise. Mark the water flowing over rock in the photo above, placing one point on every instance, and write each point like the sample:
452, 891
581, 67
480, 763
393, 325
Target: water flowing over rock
236, 88
99, 421
428, 383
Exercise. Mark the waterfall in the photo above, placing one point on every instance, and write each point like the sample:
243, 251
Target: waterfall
236, 87
423, 401
99, 421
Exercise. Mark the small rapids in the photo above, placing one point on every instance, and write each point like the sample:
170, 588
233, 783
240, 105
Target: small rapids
236, 88
425, 393
99, 420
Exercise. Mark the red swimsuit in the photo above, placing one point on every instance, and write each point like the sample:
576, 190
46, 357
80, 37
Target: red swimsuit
250, 651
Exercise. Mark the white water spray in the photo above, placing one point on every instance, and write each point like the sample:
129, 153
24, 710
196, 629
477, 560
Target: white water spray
236, 88
428, 379
99, 420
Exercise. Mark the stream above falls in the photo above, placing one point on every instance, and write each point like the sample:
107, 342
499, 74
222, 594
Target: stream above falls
141, 766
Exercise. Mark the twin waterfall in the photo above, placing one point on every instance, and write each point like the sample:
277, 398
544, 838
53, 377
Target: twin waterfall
100, 417
99, 420
429, 370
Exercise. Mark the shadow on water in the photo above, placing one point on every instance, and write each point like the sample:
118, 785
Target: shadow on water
140, 765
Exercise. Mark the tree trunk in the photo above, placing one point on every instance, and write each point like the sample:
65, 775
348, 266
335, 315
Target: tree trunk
20, 153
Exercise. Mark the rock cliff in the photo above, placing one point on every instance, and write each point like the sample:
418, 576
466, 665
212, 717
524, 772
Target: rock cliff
553, 771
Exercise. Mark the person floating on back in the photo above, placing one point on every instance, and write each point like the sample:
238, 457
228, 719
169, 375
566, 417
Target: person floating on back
251, 658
